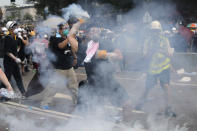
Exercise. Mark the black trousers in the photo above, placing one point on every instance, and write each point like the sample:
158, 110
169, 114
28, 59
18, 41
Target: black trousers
13, 69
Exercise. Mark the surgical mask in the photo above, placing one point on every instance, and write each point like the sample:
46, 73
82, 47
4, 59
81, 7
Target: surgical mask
15, 31
58, 35
19, 34
65, 32
5, 32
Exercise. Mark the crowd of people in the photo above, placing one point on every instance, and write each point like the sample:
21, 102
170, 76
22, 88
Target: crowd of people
98, 50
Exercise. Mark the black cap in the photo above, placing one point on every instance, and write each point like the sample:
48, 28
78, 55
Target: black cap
60, 26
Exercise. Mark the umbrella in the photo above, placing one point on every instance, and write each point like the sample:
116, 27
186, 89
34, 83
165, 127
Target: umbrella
192, 25
53, 21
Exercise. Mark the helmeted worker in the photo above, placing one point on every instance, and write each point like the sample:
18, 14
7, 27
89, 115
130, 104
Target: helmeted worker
11, 61
158, 51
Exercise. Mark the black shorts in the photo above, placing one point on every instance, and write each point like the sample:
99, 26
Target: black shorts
163, 77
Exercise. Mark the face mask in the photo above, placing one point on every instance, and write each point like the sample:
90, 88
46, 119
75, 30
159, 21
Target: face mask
65, 32
15, 31
58, 35
5, 32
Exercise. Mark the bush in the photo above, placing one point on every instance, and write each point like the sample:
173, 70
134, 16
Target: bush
27, 16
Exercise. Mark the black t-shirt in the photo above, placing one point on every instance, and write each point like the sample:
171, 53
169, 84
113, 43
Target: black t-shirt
21, 44
100, 69
11, 45
21, 52
64, 56
81, 52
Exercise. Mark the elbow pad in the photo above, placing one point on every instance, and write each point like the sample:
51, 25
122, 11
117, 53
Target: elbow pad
102, 54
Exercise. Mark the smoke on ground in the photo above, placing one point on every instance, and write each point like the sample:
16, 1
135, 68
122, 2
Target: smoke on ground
131, 32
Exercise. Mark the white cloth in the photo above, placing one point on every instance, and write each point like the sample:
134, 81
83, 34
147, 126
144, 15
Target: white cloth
91, 51
8, 94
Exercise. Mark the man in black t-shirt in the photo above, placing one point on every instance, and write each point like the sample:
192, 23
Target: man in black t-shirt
10, 58
99, 65
64, 48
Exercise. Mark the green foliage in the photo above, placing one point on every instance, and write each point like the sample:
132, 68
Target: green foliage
8, 18
27, 16
54, 6
12, 16
123, 5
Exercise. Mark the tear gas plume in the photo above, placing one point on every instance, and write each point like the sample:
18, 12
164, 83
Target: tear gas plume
74, 10
130, 34
51, 22
93, 120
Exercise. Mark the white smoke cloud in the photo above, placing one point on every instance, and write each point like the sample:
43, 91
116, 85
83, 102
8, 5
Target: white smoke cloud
96, 117
91, 121
74, 10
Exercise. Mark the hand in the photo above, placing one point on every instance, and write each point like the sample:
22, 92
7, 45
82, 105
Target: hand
111, 56
18, 60
20, 37
170, 51
119, 54
74, 29
81, 20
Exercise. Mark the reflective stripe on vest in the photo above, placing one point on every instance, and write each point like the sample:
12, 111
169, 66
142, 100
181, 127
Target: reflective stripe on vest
159, 63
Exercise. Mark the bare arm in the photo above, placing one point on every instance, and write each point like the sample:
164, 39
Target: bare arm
73, 43
71, 37
74, 48
12, 56
4, 80
170, 50
63, 44
25, 41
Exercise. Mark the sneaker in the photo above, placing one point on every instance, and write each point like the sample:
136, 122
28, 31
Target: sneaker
45, 107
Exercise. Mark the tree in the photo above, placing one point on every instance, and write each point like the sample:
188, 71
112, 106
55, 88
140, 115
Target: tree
1, 14
54, 6
123, 5
12, 16
28, 16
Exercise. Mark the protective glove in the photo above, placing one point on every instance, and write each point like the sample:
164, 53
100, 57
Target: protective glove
170, 51
18, 60
20, 37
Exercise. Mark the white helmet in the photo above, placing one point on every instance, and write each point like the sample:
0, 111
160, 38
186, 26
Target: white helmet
23, 30
155, 25
20, 30
10, 24
173, 29
4, 29
15, 31
45, 36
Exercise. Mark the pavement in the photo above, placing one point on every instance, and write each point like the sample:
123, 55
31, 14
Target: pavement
182, 97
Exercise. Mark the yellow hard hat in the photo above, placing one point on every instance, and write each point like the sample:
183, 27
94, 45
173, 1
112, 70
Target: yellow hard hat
155, 25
